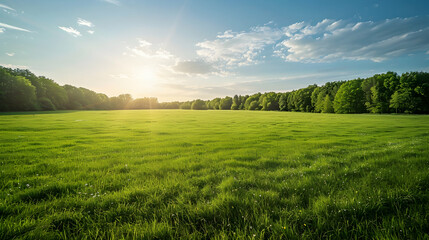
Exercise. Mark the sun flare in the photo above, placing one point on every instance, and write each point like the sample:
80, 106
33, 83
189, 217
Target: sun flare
147, 77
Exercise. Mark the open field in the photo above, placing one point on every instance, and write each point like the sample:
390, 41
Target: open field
165, 174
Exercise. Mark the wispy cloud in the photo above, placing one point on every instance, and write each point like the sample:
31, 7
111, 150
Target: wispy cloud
194, 67
331, 40
115, 2
2, 30
238, 48
10, 54
71, 31
4, 25
6, 7
13, 66
90, 32
83, 22
145, 49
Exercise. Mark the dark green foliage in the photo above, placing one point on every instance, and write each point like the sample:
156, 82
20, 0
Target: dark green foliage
270, 101
252, 102
253, 106
169, 105
350, 98
46, 105
120, 102
400, 101
235, 103
199, 105
415, 85
214, 104
376, 94
55, 93
225, 103
185, 105
143, 103
16, 93
328, 106
318, 97
302, 99
283, 101
382, 93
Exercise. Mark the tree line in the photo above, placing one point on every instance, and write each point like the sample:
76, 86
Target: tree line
21, 90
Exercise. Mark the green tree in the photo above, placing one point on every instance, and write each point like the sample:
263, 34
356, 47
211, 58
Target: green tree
235, 103
254, 105
198, 105
253, 98
214, 104
225, 103
283, 101
328, 107
400, 101
16, 93
350, 98
303, 99
186, 105
376, 94
54, 92
45, 104
416, 85
270, 101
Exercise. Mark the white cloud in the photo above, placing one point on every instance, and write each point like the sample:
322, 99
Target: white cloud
90, 32
2, 30
4, 25
144, 43
10, 54
83, 22
115, 2
71, 31
146, 50
13, 66
194, 67
331, 40
238, 48
6, 7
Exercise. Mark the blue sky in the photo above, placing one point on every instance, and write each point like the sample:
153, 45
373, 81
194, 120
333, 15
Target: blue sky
183, 50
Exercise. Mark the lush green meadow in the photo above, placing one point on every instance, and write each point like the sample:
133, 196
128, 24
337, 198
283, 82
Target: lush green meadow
171, 174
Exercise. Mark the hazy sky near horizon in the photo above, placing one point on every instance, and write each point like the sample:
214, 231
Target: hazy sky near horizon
188, 49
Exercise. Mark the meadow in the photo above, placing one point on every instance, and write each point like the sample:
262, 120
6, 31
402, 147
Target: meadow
177, 174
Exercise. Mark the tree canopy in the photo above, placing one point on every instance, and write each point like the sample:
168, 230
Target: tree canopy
21, 90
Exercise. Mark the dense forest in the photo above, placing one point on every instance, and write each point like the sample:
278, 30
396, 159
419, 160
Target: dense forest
21, 90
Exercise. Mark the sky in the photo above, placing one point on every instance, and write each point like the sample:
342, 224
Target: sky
188, 49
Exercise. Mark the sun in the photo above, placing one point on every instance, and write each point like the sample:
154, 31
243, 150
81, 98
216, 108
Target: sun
147, 77
147, 73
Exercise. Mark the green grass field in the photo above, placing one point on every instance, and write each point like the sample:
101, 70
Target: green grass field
172, 174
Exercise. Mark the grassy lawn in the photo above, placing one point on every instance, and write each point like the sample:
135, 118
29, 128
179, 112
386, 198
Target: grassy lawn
171, 174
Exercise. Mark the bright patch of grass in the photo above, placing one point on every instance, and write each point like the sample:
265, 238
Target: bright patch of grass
171, 174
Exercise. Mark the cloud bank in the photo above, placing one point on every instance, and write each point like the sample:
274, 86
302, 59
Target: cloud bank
326, 41
238, 48
331, 40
